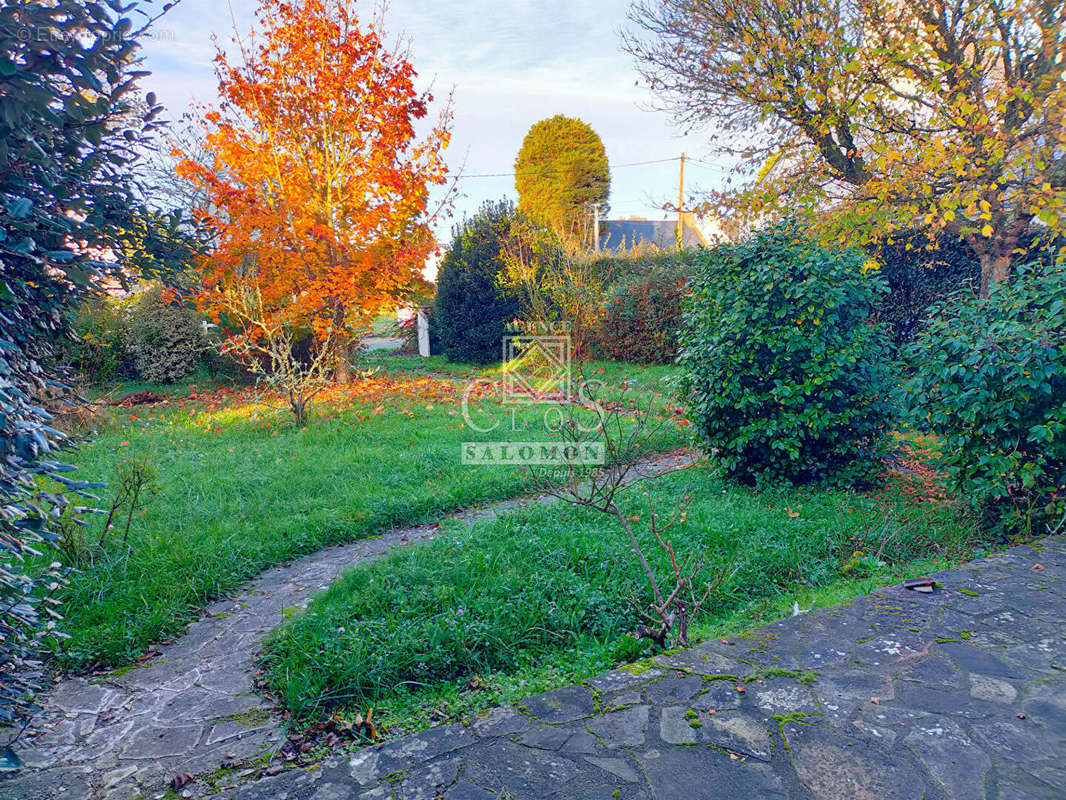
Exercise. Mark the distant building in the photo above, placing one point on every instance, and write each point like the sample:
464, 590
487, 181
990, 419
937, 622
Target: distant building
619, 235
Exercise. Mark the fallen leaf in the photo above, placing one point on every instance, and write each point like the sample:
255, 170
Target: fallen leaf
181, 780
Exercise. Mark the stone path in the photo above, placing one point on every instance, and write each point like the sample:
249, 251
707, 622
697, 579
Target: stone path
192, 709
955, 695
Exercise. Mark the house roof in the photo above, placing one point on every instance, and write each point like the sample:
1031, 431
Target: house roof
623, 234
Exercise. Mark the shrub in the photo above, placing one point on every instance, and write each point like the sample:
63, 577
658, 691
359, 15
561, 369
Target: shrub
917, 277
98, 348
70, 130
641, 318
784, 372
166, 339
472, 307
990, 378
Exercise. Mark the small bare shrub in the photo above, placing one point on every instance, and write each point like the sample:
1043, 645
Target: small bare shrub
629, 433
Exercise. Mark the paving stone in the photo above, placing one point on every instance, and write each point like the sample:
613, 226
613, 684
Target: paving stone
833, 767
893, 650
625, 699
1046, 703
499, 722
702, 773
705, 662
427, 783
825, 653
673, 689
546, 737
994, 690
781, 696
716, 696
736, 732
617, 767
625, 728
951, 757
78, 696
938, 671
522, 771
619, 679
675, 726
562, 705
581, 743
368, 765
162, 742
465, 790
1012, 739
884, 723
842, 691
974, 659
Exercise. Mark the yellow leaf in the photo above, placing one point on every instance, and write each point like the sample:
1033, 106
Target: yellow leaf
987, 231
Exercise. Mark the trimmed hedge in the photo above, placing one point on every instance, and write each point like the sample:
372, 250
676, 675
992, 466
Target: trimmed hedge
641, 317
472, 308
166, 339
785, 374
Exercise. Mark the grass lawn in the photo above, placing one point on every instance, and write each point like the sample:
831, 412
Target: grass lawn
537, 598
384, 324
239, 492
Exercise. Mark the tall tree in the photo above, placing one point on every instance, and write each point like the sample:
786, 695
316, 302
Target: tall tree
562, 175
317, 181
70, 130
875, 117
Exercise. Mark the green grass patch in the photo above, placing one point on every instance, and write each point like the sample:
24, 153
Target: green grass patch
537, 598
242, 489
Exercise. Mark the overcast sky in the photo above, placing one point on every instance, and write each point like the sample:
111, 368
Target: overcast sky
510, 63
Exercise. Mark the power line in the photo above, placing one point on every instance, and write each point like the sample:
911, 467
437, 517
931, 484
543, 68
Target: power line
512, 173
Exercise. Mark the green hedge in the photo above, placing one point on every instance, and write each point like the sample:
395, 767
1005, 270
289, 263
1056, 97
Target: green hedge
989, 377
785, 374
641, 316
472, 309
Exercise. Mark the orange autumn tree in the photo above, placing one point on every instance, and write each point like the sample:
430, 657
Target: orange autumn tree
318, 187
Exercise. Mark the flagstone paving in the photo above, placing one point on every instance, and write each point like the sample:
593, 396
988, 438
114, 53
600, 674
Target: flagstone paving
955, 695
192, 708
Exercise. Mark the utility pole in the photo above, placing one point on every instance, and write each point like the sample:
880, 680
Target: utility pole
681, 205
596, 227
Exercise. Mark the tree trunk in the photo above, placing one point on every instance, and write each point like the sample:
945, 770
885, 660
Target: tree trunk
995, 267
342, 349
342, 352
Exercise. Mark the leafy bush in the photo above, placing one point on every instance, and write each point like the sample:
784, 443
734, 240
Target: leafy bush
917, 277
166, 339
69, 128
919, 273
990, 378
641, 318
98, 348
472, 307
784, 372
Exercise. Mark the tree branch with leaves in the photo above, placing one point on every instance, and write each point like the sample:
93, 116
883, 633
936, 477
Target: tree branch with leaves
873, 118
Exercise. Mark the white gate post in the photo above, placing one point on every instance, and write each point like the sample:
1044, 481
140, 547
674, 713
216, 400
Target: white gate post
423, 332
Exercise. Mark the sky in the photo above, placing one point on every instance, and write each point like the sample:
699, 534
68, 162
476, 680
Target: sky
508, 64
